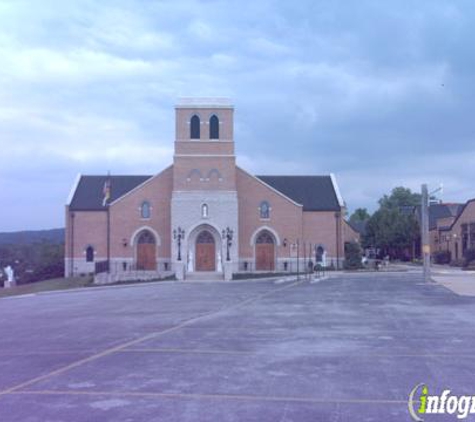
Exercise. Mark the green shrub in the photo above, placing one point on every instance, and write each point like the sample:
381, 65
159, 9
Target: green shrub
353, 256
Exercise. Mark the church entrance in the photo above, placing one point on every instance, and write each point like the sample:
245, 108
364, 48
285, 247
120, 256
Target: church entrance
265, 252
146, 252
205, 252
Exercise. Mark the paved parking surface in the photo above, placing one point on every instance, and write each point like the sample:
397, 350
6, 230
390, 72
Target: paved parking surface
348, 348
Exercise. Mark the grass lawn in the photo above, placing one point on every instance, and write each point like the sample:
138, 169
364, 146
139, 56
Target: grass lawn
47, 285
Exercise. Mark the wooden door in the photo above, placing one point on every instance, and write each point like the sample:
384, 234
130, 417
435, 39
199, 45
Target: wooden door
146, 252
205, 252
265, 252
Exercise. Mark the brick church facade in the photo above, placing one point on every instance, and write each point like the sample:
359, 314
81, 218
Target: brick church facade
204, 215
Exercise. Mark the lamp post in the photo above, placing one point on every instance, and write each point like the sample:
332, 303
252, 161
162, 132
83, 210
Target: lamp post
227, 235
178, 235
337, 243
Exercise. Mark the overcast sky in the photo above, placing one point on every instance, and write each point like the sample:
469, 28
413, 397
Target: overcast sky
381, 93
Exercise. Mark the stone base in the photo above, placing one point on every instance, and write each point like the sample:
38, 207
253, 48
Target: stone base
110, 278
9, 284
228, 271
179, 270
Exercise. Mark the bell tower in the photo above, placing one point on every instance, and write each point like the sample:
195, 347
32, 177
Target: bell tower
204, 198
204, 145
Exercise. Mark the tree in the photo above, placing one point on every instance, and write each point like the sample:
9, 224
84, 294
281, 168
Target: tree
393, 228
353, 256
33, 262
359, 215
400, 197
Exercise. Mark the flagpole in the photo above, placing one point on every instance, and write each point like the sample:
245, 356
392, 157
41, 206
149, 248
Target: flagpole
107, 196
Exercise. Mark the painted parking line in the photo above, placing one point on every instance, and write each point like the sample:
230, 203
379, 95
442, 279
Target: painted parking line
142, 339
312, 353
237, 397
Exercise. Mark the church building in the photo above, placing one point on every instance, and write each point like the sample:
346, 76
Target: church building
203, 216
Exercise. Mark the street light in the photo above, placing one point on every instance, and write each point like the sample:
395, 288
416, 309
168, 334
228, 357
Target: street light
178, 235
228, 236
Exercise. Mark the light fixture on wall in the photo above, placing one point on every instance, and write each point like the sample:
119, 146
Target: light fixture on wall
124, 242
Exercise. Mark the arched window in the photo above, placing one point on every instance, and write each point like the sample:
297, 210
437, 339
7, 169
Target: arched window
204, 210
264, 210
214, 127
146, 238
145, 209
195, 127
265, 238
89, 254
205, 237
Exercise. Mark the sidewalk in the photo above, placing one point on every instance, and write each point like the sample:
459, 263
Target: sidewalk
456, 280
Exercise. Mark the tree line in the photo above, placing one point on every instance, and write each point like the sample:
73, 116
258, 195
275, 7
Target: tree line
33, 262
393, 229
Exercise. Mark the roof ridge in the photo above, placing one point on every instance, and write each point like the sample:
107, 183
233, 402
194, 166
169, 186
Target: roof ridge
293, 175
116, 175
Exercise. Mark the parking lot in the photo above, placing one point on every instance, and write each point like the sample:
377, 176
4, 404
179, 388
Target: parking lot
347, 348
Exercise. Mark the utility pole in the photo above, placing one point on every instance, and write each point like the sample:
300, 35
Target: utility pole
425, 233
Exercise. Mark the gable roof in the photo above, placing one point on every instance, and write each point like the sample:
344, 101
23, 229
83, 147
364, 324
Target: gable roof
461, 211
438, 211
315, 193
89, 192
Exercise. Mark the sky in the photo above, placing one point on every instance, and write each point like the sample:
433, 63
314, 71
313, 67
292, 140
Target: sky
380, 93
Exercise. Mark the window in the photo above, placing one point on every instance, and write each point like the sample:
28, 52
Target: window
472, 235
264, 210
145, 210
214, 127
464, 236
265, 238
89, 254
204, 211
146, 238
205, 237
195, 127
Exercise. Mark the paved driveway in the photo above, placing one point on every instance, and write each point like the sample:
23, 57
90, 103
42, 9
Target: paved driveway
349, 348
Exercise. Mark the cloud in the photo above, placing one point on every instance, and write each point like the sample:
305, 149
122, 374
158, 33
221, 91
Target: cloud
379, 93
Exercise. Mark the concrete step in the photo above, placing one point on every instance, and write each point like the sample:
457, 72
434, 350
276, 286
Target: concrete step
204, 275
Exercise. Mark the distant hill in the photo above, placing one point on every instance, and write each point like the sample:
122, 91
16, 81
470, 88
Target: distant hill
32, 236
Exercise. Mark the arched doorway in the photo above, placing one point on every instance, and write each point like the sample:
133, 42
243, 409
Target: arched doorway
146, 251
205, 251
265, 251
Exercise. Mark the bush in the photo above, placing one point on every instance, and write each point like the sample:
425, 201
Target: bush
442, 257
457, 263
469, 256
353, 256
